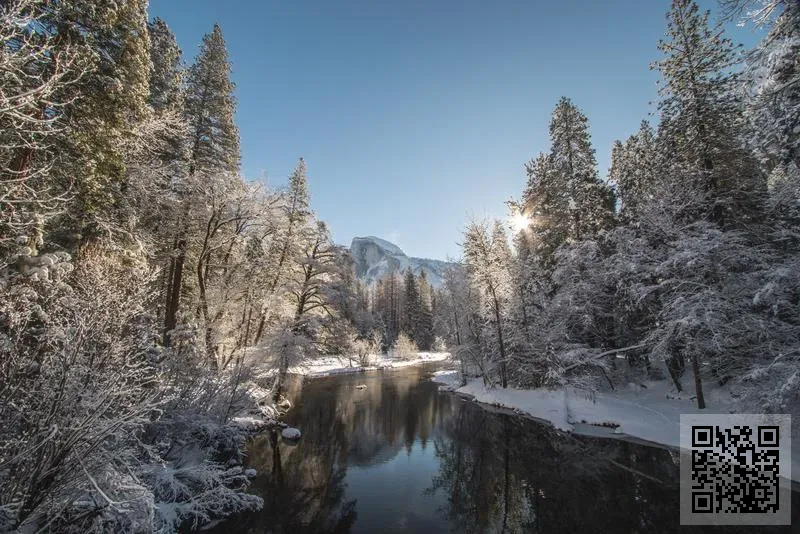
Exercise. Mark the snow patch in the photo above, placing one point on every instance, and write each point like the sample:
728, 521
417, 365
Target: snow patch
290, 433
448, 380
335, 365
649, 412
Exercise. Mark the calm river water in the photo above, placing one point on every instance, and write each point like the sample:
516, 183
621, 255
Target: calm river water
400, 456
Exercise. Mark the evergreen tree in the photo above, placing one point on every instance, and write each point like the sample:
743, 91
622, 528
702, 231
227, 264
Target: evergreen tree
772, 79
546, 201
36, 72
634, 168
166, 73
387, 307
166, 154
701, 115
411, 306
295, 214
107, 104
210, 107
590, 202
424, 335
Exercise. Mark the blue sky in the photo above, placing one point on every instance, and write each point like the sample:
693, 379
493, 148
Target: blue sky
415, 116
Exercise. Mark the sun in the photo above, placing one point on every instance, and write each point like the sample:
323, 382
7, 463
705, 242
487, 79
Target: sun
520, 222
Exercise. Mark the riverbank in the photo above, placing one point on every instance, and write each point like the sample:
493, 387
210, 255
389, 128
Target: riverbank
335, 365
649, 411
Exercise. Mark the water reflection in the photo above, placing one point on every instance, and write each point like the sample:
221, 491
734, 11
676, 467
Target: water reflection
401, 457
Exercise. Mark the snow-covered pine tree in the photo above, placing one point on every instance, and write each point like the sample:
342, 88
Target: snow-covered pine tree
772, 81
546, 201
634, 168
701, 118
424, 335
590, 201
166, 72
37, 70
210, 107
112, 103
410, 315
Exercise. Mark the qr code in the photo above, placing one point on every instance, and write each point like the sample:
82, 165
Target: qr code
734, 468
731, 474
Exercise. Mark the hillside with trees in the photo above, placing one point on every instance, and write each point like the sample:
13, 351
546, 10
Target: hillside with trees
137, 266
683, 263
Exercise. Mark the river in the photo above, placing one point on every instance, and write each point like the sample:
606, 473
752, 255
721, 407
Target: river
400, 456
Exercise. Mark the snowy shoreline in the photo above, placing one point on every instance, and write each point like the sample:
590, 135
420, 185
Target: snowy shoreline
648, 412
336, 365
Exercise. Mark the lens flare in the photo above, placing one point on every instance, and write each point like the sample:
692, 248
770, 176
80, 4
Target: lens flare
520, 222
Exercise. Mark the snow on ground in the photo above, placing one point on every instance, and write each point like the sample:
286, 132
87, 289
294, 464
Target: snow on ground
290, 433
448, 379
333, 365
649, 411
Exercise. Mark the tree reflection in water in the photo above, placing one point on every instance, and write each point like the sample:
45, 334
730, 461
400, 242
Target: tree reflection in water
401, 457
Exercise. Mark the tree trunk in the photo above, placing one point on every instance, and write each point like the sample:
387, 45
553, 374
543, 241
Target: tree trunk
698, 383
502, 347
174, 294
211, 350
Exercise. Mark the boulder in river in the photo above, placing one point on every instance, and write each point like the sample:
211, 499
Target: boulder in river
361, 386
290, 433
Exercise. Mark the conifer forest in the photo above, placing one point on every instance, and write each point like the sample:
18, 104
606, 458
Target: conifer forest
155, 303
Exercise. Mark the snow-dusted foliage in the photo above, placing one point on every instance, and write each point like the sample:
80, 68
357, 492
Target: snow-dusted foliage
95, 418
696, 279
34, 77
403, 348
135, 275
772, 85
487, 258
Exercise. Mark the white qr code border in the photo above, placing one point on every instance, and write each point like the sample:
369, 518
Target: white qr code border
767, 462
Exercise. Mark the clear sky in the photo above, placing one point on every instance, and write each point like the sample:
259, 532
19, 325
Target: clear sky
414, 116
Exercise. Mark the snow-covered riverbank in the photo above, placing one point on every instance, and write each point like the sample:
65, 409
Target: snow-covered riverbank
649, 411
334, 365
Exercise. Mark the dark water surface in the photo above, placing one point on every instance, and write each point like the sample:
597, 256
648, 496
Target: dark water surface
400, 456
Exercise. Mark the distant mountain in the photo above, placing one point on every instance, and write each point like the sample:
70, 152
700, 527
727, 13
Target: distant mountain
375, 257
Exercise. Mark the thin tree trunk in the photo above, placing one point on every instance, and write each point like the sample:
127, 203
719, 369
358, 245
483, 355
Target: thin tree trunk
174, 295
502, 347
698, 383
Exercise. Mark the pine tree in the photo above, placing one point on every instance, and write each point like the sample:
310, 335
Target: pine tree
701, 115
107, 104
168, 133
411, 306
634, 168
166, 73
590, 203
424, 335
772, 79
37, 70
210, 107
546, 202
295, 215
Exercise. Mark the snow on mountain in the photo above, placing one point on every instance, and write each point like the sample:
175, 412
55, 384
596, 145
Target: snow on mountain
375, 257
